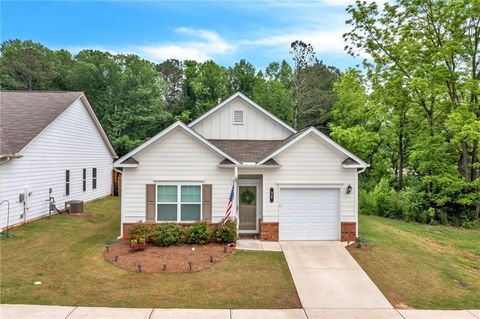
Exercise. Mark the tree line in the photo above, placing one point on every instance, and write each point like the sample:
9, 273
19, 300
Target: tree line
411, 111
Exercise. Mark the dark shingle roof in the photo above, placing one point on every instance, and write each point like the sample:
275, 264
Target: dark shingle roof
23, 115
252, 150
247, 150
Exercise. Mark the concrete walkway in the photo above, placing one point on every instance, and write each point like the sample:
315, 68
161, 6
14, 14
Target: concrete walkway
256, 244
60, 312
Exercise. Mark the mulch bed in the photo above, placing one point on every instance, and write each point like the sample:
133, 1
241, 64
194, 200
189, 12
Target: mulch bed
176, 258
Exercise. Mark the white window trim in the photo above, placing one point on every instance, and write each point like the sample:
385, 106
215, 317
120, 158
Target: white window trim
178, 202
243, 117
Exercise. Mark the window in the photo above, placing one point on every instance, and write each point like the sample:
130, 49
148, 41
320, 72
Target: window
94, 178
67, 182
181, 202
84, 179
238, 117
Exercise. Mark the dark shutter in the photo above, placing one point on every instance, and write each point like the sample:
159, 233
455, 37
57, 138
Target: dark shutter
150, 203
207, 202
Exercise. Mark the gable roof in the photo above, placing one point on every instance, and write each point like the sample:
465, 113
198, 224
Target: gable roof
293, 139
128, 160
250, 102
24, 115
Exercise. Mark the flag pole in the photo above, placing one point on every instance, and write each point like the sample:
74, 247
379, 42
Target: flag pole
235, 182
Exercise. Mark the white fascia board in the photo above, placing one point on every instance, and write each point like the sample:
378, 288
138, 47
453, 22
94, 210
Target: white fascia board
354, 166
249, 101
126, 165
323, 137
163, 133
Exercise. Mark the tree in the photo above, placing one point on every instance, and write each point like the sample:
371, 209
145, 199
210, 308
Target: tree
25, 65
242, 78
204, 86
431, 47
171, 72
312, 88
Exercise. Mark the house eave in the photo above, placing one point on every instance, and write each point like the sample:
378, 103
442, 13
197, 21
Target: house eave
248, 166
125, 166
354, 166
4, 158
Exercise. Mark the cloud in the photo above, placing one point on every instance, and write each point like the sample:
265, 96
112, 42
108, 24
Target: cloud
321, 40
203, 45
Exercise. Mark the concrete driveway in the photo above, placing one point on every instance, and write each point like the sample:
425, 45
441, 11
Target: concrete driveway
326, 276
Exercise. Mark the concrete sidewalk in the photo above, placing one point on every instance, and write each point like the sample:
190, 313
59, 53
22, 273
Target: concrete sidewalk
61, 312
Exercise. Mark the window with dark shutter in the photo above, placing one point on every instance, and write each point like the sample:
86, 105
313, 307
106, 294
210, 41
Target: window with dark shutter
94, 178
84, 179
67, 182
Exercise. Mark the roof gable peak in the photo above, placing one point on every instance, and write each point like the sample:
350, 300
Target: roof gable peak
249, 102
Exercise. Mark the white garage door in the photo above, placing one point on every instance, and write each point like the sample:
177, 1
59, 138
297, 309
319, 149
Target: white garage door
309, 214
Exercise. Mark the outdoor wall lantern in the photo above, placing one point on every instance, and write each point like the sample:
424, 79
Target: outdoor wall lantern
349, 189
271, 195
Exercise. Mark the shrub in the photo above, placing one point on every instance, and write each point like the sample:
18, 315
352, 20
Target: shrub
168, 234
226, 233
199, 233
141, 230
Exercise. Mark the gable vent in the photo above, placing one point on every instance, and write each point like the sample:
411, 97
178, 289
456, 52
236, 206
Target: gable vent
237, 117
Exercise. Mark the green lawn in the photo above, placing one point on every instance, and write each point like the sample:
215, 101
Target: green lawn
422, 266
65, 254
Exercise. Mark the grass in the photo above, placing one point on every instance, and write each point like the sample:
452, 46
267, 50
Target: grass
65, 253
422, 266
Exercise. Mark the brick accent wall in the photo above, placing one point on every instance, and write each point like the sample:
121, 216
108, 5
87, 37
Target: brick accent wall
268, 231
349, 231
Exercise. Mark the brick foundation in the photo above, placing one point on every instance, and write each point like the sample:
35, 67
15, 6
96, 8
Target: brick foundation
348, 231
268, 231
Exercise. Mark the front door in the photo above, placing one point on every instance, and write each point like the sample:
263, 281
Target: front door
247, 209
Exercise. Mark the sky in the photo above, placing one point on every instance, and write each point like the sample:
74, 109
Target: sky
258, 31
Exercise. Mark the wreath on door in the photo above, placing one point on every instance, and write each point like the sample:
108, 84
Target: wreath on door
247, 197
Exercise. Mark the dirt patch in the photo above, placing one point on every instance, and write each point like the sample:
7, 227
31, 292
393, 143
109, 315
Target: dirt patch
353, 248
182, 258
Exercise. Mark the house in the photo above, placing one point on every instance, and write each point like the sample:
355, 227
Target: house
289, 185
51, 145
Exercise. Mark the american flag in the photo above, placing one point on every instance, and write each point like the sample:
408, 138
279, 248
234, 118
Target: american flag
230, 204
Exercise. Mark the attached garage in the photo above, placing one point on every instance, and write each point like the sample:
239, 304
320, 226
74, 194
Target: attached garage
309, 214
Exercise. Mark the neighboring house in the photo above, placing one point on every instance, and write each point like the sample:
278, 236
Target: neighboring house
290, 185
50, 140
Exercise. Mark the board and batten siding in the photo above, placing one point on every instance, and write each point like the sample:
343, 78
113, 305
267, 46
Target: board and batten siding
257, 125
70, 142
176, 157
309, 161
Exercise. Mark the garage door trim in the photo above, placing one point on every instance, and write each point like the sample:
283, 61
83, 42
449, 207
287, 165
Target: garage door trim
335, 187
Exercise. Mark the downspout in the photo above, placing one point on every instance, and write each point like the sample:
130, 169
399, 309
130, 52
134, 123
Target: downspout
356, 198
122, 201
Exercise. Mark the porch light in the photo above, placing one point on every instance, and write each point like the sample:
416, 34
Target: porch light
349, 189
271, 195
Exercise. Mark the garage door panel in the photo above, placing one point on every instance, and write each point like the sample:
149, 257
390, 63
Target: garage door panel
309, 214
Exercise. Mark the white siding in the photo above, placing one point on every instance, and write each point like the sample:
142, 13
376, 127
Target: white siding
177, 156
309, 161
71, 142
257, 126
